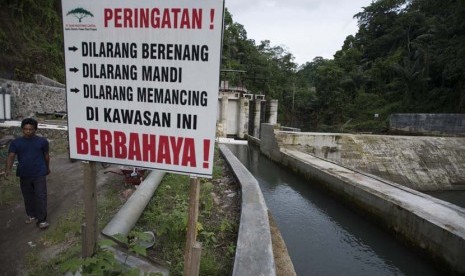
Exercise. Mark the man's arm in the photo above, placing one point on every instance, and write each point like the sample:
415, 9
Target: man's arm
9, 163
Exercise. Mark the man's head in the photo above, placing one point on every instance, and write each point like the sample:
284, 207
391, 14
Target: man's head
29, 127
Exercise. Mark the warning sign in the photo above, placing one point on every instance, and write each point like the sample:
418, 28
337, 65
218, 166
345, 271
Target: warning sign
142, 82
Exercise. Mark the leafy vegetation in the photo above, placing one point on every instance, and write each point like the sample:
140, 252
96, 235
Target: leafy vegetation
103, 262
407, 56
166, 215
31, 39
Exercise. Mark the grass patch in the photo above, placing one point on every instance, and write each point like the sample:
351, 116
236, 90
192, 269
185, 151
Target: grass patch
37, 267
66, 230
10, 190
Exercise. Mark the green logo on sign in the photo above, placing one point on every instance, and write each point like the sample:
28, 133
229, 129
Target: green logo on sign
80, 13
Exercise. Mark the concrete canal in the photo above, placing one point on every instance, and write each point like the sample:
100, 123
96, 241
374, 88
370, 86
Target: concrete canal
455, 197
323, 236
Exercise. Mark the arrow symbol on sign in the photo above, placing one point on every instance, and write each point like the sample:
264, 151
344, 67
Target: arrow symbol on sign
74, 48
73, 69
74, 90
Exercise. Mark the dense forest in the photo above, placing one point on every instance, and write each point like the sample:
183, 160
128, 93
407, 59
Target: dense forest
407, 56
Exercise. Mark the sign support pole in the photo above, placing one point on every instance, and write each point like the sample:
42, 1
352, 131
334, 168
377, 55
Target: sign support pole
191, 236
89, 227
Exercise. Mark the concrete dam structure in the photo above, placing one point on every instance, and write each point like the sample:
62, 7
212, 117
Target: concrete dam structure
422, 163
240, 112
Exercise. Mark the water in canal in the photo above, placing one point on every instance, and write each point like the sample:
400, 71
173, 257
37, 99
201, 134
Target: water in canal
322, 235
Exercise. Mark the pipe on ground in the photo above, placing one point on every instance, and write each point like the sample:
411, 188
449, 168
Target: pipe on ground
127, 216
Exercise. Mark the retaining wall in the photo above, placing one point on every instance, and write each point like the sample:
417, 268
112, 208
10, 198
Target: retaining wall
43, 80
28, 99
433, 226
49, 131
419, 162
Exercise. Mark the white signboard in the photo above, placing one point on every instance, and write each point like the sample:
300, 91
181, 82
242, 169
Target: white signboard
142, 82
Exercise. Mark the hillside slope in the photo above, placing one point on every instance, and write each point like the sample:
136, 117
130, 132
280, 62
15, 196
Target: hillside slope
31, 39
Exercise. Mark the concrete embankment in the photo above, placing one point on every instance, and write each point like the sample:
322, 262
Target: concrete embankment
254, 252
433, 226
421, 163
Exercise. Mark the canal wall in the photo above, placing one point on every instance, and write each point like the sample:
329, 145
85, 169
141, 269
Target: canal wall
433, 226
422, 163
254, 251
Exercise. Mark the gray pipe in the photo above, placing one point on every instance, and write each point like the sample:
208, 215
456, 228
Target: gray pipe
127, 216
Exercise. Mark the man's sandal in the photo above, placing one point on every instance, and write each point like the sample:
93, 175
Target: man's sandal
30, 220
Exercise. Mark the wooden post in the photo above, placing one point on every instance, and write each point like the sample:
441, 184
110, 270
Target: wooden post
89, 233
195, 258
191, 236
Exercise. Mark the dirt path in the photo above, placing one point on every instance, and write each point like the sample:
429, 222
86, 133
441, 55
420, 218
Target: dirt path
64, 186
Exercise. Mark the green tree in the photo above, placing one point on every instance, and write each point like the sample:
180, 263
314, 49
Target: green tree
329, 92
270, 70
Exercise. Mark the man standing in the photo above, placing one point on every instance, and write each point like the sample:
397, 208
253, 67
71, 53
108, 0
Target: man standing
33, 167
